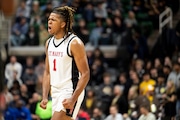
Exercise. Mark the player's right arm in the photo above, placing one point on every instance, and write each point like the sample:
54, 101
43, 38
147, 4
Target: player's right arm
46, 80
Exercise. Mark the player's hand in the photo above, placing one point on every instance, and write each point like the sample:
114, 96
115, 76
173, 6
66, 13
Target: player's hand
68, 103
43, 103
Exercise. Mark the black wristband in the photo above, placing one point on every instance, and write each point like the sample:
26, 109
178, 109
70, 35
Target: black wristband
68, 113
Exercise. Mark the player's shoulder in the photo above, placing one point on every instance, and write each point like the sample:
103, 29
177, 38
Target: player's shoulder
75, 40
48, 41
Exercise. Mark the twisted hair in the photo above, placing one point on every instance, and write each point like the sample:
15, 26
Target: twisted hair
67, 14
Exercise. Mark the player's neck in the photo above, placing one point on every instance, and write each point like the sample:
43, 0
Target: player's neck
60, 35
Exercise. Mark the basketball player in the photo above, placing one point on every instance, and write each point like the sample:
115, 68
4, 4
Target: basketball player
67, 70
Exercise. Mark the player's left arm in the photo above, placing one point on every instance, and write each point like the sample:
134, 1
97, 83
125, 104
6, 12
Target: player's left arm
79, 54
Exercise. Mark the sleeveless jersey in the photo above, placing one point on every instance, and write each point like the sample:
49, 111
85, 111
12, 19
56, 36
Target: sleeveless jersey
63, 70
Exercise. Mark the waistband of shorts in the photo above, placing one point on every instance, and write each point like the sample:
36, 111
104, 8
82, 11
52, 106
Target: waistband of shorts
63, 85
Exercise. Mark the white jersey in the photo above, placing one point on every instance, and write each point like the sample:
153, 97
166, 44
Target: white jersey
63, 70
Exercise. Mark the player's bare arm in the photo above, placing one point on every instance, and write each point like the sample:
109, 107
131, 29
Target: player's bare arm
46, 81
79, 54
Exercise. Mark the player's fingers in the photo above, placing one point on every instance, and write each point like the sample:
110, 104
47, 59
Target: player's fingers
43, 104
44, 107
64, 101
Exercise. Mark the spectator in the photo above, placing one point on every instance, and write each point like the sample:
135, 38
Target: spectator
88, 13
30, 79
97, 71
25, 94
90, 57
39, 70
148, 65
146, 114
82, 30
98, 114
96, 33
139, 67
158, 64
154, 102
106, 36
32, 38
9, 112
17, 110
15, 78
40, 67
124, 82
36, 21
119, 100
154, 73
170, 101
10, 67
130, 21
15, 88
175, 74
48, 8
160, 87
90, 102
19, 31
137, 6
166, 71
29, 61
35, 14
33, 104
114, 5
97, 53
105, 94
134, 78
21, 111
114, 115
167, 61
83, 115
46, 13
141, 100
100, 10
8, 95
117, 13
43, 35
132, 96
23, 10
118, 29
147, 81
35, 9
136, 43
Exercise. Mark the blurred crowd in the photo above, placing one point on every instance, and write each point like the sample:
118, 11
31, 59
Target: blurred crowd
138, 84
98, 22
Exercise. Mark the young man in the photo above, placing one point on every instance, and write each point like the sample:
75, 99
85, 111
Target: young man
114, 114
67, 71
145, 113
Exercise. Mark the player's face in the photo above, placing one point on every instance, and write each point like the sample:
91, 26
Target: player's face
55, 24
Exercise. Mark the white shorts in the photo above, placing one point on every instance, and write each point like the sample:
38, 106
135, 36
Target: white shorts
58, 95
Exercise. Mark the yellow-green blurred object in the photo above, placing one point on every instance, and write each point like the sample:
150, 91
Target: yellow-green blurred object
44, 113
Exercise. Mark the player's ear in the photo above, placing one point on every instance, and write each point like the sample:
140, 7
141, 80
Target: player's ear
63, 24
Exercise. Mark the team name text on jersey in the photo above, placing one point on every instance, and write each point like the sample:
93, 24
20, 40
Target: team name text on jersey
55, 53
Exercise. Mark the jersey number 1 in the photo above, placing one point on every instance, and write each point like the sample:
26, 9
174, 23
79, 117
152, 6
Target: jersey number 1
54, 61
